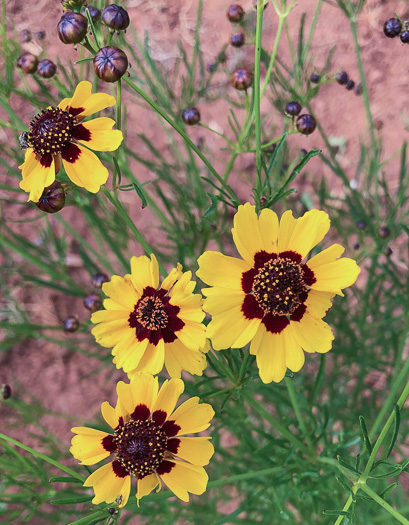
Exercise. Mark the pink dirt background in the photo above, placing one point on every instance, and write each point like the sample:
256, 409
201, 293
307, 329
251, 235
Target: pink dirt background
59, 377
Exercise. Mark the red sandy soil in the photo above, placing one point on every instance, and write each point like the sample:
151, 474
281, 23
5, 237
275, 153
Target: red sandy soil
59, 377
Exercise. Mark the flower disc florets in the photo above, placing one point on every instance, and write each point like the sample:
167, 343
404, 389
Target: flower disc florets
50, 131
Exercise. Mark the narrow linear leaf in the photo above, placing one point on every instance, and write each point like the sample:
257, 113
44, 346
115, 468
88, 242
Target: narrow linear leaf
395, 430
336, 513
64, 479
213, 206
141, 194
365, 436
71, 501
388, 490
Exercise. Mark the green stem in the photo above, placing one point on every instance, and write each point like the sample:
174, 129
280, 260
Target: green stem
296, 407
118, 114
259, 28
65, 469
384, 504
88, 46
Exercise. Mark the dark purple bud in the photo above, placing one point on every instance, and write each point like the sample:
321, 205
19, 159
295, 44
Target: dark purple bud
303, 152
93, 11
110, 64
392, 27
71, 324
40, 35
384, 232
5, 391
315, 78
72, 28
388, 251
46, 68
235, 13
25, 35
52, 198
292, 109
305, 124
350, 85
356, 246
342, 78
191, 116
237, 39
115, 17
404, 37
361, 225
27, 62
358, 89
93, 302
99, 279
241, 79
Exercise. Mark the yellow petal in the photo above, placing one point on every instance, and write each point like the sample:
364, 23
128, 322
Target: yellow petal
103, 137
143, 389
36, 176
270, 355
185, 478
192, 335
308, 231
269, 228
195, 450
109, 414
121, 292
216, 269
81, 93
87, 445
130, 357
96, 102
287, 225
108, 486
314, 335
144, 272
294, 354
192, 417
246, 233
84, 168
334, 276
318, 303
146, 485
173, 276
152, 360
107, 334
178, 357
168, 395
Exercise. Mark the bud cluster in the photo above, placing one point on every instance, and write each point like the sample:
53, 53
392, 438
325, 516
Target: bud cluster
395, 27
30, 64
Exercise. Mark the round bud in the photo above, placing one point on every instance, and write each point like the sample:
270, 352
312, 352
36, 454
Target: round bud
358, 89
235, 13
72, 28
99, 279
383, 232
71, 324
191, 116
211, 67
5, 391
356, 246
350, 85
25, 35
241, 79
115, 17
315, 78
404, 37
27, 62
110, 64
392, 27
52, 198
93, 302
303, 152
93, 11
342, 78
361, 225
388, 251
305, 124
46, 68
40, 35
237, 39
111, 510
292, 109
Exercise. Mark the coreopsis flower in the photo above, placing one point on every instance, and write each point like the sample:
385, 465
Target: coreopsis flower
149, 325
148, 442
57, 136
273, 298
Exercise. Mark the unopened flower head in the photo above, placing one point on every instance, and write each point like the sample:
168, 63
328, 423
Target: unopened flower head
272, 298
147, 442
56, 136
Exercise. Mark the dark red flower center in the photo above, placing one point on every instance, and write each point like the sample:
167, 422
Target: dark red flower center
140, 447
50, 131
278, 285
155, 318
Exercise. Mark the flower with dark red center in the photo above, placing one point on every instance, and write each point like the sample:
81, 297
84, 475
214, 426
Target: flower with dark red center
148, 442
149, 325
55, 138
272, 298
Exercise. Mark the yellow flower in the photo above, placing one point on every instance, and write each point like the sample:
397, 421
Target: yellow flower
149, 326
147, 442
54, 138
270, 297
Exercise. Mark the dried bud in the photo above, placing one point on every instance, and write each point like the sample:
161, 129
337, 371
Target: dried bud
241, 79
27, 62
110, 64
93, 11
25, 35
292, 109
305, 124
235, 13
5, 391
72, 28
46, 68
115, 17
40, 35
71, 324
93, 302
99, 279
191, 116
52, 198
237, 39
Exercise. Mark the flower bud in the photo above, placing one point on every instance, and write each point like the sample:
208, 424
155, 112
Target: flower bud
115, 17
392, 28
361, 224
305, 124
93, 302
315, 78
342, 78
46, 68
110, 64
241, 79
388, 251
25, 35
72, 28
384, 232
40, 35
350, 85
237, 39
52, 198
93, 11
292, 109
5, 391
27, 62
99, 279
71, 324
191, 116
235, 13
